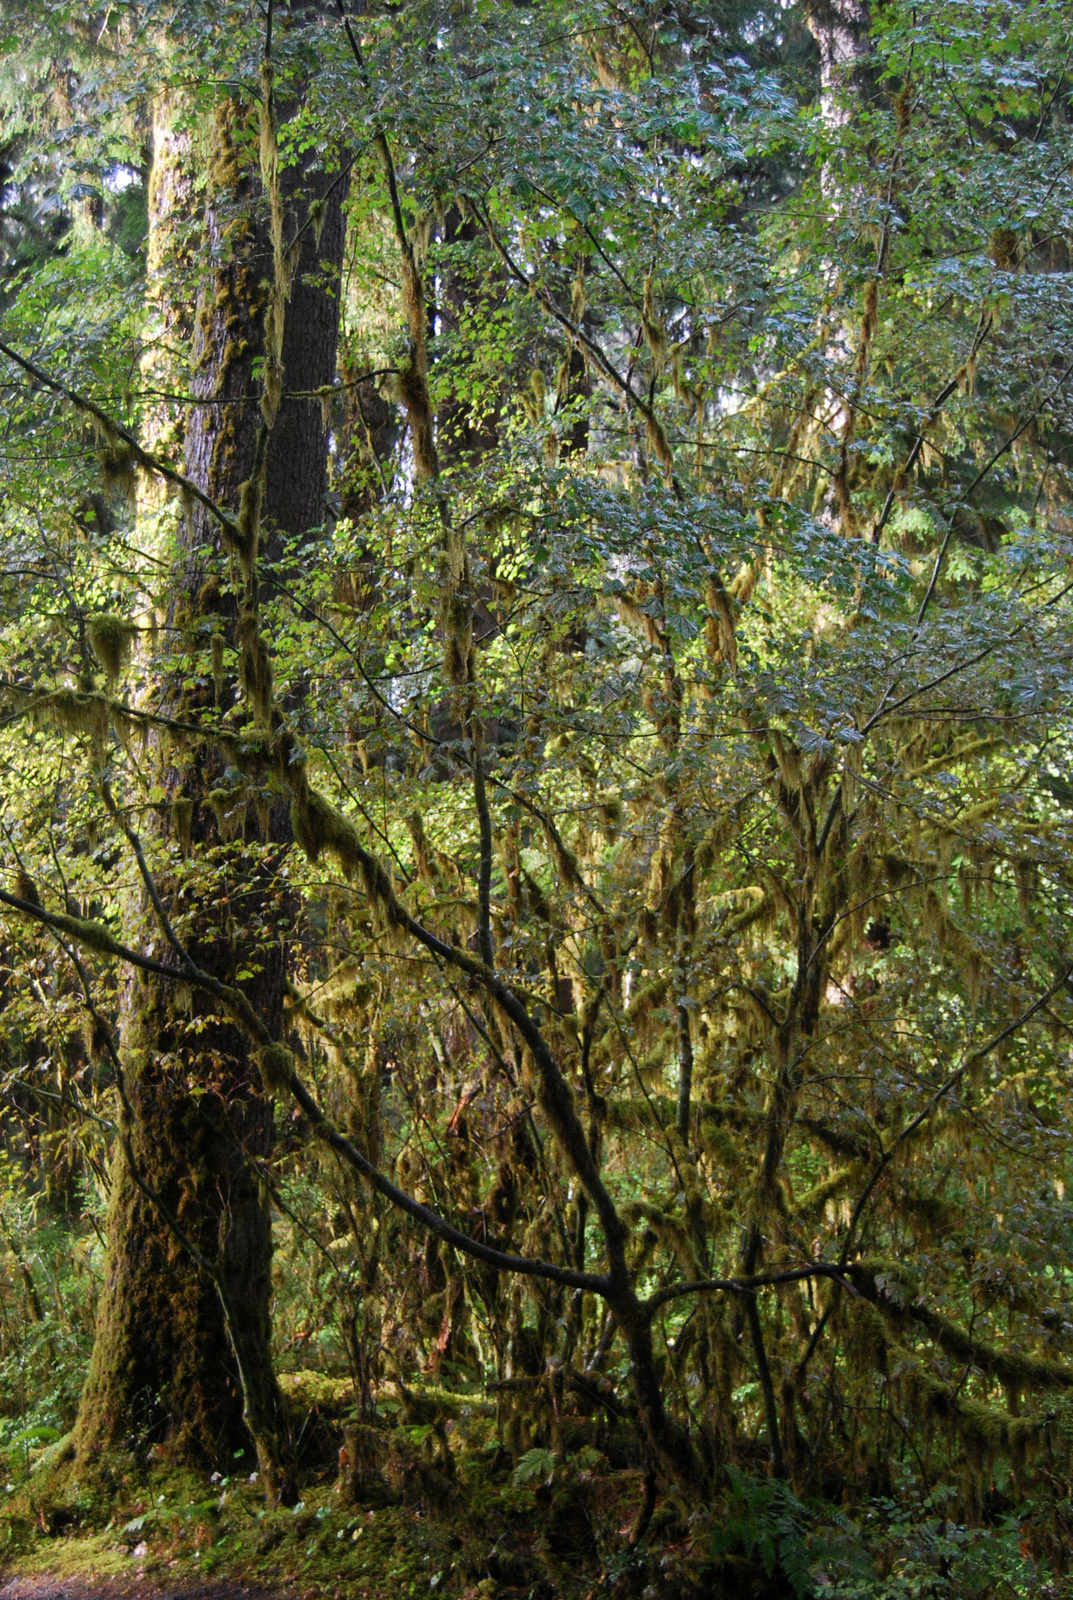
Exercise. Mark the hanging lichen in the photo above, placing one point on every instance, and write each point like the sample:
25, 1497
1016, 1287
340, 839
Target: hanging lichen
111, 637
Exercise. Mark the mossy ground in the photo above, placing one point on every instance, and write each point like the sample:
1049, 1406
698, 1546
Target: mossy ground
452, 1515
447, 1511
485, 1539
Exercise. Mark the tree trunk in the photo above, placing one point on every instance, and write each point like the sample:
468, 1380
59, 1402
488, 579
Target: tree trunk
840, 29
166, 1361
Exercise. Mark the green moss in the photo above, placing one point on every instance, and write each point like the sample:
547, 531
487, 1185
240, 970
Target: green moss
74, 711
255, 665
319, 826
307, 1388
111, 637
276, 1065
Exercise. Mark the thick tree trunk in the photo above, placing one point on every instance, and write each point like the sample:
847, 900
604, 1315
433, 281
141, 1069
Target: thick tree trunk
166, 1361
463, 436
840, 29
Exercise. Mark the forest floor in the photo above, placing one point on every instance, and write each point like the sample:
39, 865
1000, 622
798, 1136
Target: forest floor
478, 1534
445, 1513
246, 1554
44, 1586
489, 1532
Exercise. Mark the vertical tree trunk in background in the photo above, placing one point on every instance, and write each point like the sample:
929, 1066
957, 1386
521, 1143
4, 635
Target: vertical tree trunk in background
840, 29
162, 1370
462, 437
367, 438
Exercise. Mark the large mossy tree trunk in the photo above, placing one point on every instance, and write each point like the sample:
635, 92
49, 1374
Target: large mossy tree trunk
164, 1372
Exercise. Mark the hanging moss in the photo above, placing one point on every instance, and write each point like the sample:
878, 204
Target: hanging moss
272, 392
646, 1000
97, 1037
111, 637
413, 378
457, 624
631, 611
534, 400
654, 331
25, 887
672, 1231
74, 711
262, 801
242, 535
720, 628
717, 1140
118, 468
1004, 247
229, 809
656, 440
565, 860
319, 826
216, 649
902, 1305
255, 664
422, 856
813, 1200
276, 1066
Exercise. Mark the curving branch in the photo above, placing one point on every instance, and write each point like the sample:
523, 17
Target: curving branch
95, 936
749, 1285
1030, 1372
139, 456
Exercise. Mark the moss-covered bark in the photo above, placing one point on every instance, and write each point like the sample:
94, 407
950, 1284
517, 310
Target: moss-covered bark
163, 1371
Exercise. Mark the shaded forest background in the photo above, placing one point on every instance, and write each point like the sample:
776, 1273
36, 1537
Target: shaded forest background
536, 976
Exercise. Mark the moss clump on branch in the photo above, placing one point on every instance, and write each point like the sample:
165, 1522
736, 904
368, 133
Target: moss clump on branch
182, 816
319, 826
111, 638
275, 1063
74, 711
92, 935
814, 1199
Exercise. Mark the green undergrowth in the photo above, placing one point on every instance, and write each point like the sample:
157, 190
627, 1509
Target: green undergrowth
482, 1530
447, 1510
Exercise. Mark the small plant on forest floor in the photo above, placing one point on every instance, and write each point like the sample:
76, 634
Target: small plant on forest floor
916, 1553
765, 1522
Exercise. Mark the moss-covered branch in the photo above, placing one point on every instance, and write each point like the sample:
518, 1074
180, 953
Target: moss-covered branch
277, 1067
138, 457
983, 1429
748, 1284
903, 1308
968, 1063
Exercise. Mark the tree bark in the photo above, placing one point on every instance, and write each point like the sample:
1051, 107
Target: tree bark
840, 29
166, 1359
